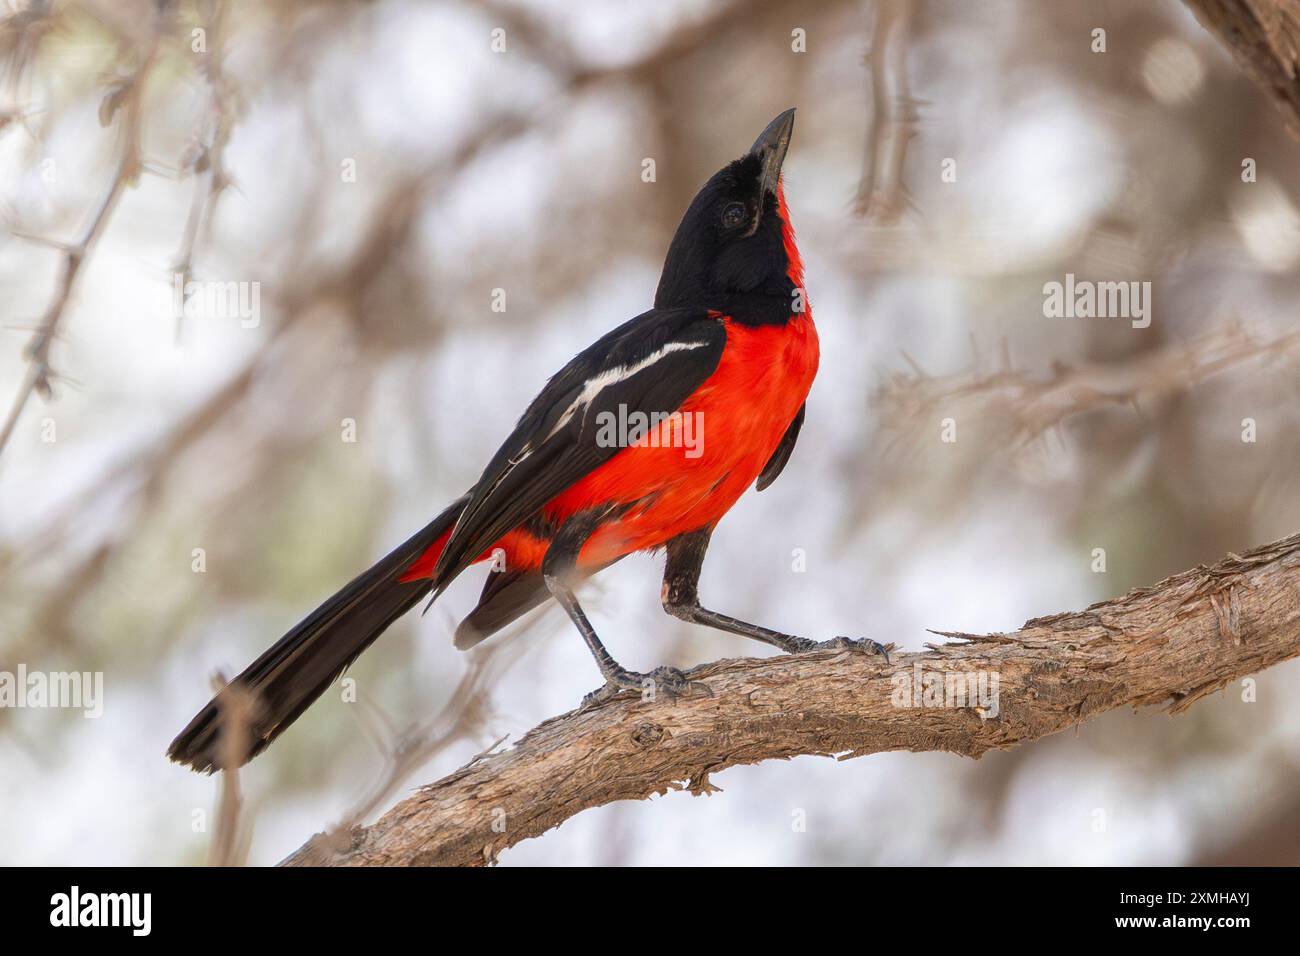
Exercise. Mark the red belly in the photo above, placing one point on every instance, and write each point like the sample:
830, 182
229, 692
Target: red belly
739, 416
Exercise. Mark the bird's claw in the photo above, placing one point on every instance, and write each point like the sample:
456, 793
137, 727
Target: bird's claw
863, 645
858, 645
667, 680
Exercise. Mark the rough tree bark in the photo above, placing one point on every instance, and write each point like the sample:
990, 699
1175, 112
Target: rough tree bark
1264, 37
1170, 645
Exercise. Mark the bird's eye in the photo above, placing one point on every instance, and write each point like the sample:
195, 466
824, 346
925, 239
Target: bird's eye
733, 215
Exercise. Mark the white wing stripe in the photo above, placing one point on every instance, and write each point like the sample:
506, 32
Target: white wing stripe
598, 383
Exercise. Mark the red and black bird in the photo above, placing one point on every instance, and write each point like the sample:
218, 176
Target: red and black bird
729, 344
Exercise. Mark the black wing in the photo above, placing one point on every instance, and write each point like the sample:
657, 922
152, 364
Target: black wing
650, 364
776, 463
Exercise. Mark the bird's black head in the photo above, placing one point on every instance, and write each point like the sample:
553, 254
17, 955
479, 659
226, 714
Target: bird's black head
734, 250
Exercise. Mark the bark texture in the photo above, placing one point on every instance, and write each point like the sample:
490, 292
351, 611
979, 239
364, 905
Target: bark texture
1264, 37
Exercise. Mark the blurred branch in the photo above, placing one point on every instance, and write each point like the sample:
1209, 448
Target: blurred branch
881, 195
230, 839
205, 159
1264, 37
1169, 644
126, 96
1031, 405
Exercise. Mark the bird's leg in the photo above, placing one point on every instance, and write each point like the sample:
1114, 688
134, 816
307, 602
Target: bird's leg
681, 599
557, 570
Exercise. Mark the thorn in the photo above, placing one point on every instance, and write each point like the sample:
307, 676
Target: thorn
488, 751
160, 169
920, 372
64, 247
13, 327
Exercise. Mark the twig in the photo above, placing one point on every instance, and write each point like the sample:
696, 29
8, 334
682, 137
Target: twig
127, 98
1158, 645
881, 194
230, 838
206, 158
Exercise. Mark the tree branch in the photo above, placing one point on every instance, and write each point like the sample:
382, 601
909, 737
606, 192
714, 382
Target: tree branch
1170, 644
1264, 37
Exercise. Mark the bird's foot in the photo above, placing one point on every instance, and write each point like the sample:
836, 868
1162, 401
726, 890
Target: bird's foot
668, 681
860, 645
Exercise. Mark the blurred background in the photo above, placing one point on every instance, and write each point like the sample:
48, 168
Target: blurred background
430, 206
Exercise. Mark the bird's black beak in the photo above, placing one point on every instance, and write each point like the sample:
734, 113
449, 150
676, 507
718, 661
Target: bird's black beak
770, 149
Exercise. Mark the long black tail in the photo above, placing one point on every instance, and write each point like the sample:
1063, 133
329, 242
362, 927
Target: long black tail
300, 666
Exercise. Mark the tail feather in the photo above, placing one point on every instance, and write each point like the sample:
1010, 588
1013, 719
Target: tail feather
507, 595
301, 666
